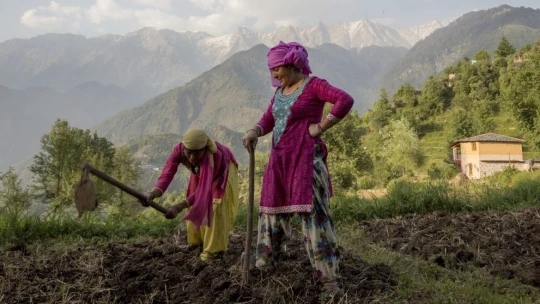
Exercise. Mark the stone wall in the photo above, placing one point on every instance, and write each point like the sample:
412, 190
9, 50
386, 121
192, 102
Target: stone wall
488, 169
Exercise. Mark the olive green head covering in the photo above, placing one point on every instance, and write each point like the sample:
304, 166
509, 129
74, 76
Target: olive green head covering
197, 139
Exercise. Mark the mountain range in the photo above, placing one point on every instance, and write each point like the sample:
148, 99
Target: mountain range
151, 61
470, 33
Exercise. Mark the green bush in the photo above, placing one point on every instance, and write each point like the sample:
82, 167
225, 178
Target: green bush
366, 182
502, 178
441, 171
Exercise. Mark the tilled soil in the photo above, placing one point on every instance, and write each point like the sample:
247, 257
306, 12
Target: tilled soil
507, 244
167, 270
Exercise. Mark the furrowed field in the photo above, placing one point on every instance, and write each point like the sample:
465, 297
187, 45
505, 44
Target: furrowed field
420, 243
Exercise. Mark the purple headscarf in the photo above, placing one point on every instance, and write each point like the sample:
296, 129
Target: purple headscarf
288, 53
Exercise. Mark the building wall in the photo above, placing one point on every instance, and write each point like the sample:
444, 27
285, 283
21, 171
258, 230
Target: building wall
488, 169
470, 160
467, 149
474, 163
500, 151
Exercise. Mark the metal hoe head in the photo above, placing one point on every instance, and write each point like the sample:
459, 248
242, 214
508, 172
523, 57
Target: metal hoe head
85, 193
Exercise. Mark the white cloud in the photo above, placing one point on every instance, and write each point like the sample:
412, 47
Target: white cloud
31, 18
54, 7
51, 17
267, 14
217, 17
107, 9
160, 4
158, 19
211, 5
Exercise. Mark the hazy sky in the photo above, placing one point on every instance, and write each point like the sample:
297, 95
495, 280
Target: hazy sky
28, 18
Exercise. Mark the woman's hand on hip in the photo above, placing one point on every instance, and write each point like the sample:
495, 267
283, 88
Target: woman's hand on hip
315, 130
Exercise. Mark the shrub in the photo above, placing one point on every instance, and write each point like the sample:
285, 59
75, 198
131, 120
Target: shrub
366, 182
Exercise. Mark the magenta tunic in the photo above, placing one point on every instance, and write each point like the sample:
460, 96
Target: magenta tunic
288, 179
209, 184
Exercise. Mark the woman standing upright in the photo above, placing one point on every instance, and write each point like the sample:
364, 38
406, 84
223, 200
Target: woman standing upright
296, 179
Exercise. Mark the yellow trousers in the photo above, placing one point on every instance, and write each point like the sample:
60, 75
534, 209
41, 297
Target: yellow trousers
215, 239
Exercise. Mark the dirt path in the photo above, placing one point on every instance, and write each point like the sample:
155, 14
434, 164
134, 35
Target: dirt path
507, 244
168, 271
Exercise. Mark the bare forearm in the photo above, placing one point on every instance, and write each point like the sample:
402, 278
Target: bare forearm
326, 124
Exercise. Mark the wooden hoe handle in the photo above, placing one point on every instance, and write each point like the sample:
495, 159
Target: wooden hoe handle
103, 176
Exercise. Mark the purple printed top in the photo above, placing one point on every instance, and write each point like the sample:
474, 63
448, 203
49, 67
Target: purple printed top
288, 179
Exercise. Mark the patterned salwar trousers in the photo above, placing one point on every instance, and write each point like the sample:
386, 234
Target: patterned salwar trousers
317, 228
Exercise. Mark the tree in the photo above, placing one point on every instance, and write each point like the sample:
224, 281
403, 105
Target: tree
381, 113
464, 70
13, 197
502, 52
127, 170
58, 166
484, 78
436, 96
461, 124
520, 89
482, 116
482, 56
405, 96
525, 49
347, 159
401, 151
504, 49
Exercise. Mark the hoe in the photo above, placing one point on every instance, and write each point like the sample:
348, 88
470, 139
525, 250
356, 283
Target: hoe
85, 193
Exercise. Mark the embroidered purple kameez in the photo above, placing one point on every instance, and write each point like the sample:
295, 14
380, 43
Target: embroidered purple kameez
288, 179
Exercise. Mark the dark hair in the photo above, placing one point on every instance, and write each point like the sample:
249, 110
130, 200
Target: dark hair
291, 67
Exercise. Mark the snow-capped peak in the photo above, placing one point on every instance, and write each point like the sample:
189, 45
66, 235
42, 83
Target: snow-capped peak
356, 34
420, 32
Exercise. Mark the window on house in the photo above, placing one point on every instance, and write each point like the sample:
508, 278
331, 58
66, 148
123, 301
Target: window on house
469, 166
474, 146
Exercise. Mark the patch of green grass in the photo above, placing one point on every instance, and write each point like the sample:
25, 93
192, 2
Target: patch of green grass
17, 228
403, 197
510, 191
21, 228
242, 216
